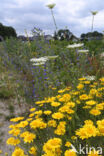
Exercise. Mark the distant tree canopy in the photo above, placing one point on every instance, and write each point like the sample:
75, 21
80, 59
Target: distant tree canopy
7, 31
62, 34
91, 36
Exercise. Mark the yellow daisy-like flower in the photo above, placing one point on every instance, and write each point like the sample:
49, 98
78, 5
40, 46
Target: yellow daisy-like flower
57, 115
52, 123
70, 153
16, 119
55, 104
1, 152
95, 112
15, 131
12, 141
82, 79
68, 144
23, 124
29, 137
94, 153
100, 124
80, 86
84, 97
32, 109
102, 79
91, 102
61, 128
48, 112
38, 123
52, 145
18, 152
33, 151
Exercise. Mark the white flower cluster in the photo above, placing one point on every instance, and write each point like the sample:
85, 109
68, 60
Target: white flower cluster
75, 45
90, 78
83, 51
102, 54
42, 60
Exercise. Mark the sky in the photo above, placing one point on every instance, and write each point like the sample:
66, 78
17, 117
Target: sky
75, 14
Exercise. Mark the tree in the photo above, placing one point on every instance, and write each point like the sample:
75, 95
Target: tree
63, 34
7, 31
91, 35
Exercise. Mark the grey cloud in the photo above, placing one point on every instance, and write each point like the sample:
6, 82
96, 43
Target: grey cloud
35, 13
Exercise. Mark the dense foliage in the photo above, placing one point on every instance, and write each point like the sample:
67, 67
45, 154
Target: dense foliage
7, 31
91, 36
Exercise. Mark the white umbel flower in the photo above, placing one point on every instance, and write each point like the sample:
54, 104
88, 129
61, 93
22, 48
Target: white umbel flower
38, 64
102, 54
83, 51
90, 78
42, 60
75, 45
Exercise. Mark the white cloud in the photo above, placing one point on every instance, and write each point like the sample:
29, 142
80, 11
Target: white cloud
25, 14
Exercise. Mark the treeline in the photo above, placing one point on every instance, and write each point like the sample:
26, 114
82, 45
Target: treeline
7, 31
91, 35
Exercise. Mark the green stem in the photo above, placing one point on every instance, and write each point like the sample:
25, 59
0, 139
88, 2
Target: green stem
54, 19
92, 23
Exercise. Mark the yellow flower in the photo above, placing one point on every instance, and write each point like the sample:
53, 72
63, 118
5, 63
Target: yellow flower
91, 102
38, 112
100, 124
18, 152
95, 112
29, 137
86, 82
102, 79
73, 137
88, 122
12, 141
68, 144
86, 107
65, 98
53, 146
93, 91
57, 115
1, 152
24, 134
16, 119
15, 131
33, 151
38, 123
32, 109
61, 91
31, 115
61, 128
22, 124
99, 107
80, 86
83, 97
52, 123
82, 79
47, 112
70, 153
87, 131
94, 153
55, 104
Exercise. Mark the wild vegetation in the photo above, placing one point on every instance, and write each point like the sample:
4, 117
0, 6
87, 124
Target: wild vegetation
62, 84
